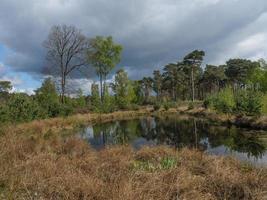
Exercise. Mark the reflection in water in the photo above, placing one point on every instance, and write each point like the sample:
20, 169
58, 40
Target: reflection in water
177, 132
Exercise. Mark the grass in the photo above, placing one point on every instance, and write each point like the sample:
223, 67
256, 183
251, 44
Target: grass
46, 166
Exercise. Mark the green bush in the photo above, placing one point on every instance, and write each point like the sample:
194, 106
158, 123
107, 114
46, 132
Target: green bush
65, 109
223, 101
22, 108
248, 102
264, 104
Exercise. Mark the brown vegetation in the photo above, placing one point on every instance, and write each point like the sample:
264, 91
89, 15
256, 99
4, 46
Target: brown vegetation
255, 122
47, 166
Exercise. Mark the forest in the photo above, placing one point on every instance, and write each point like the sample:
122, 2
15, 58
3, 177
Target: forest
238, 87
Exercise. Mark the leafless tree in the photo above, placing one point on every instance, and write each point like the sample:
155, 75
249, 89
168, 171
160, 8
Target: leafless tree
66, 47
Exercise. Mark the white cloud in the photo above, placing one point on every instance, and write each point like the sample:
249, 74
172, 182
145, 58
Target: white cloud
29, 91
15, 80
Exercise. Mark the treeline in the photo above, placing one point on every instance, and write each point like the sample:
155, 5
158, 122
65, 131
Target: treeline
237, 86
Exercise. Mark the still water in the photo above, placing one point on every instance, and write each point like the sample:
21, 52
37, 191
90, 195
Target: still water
178, 132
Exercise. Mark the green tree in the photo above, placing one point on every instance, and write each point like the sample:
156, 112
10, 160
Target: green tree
123, 89
48, 98
138, 91
5, 86
81, 100
157, 83
193, 61
104, 55
213, 78
174, 78
108, 104
95, 98
147, 87
239, 71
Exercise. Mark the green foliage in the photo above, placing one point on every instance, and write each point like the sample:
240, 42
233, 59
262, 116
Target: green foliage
157, 106
109, 104
80, 100
22, 108
48, 99
95, 98
248, 102
5, 86
66, 109
240, 70
223, 101
264, 104
164, 163
123, 90
104, 54
157, 83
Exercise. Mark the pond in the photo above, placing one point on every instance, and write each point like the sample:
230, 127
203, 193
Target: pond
178, 132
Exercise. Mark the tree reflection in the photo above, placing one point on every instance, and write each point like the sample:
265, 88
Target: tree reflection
172, 130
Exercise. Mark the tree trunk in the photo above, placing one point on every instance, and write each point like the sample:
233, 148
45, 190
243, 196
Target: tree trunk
101, 88
63, 83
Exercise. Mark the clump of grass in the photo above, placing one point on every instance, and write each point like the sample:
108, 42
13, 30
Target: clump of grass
164, 164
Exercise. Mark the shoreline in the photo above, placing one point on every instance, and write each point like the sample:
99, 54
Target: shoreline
77, 120
253, 122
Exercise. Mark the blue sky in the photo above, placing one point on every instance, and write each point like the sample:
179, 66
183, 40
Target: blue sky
152, 32
22, 82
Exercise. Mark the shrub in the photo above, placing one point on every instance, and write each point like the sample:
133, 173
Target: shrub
22, 108
223, 101
264, 104
156, 106
248, 102
65, 109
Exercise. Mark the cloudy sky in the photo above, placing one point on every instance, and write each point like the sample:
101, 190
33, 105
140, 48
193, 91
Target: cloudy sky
152, 32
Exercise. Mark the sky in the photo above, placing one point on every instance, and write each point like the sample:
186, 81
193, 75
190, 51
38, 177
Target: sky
152, 32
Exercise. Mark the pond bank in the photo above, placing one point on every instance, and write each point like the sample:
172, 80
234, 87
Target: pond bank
254, 122
57, 124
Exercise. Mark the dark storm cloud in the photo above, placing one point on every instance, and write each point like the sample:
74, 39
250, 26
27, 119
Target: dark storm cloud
152, 32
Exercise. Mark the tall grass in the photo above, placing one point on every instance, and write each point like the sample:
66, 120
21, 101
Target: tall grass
34, 166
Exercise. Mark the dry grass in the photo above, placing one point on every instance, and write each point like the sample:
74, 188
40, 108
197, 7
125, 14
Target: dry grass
59, 123
35, 166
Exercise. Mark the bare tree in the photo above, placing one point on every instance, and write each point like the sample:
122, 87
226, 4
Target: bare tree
66, 47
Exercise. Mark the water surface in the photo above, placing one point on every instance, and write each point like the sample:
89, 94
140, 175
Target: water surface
178, 132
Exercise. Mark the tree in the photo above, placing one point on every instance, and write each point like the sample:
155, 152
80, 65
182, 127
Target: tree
66, 47
5, 86
239, 71
157, 83
95, 98
123, 90
213, 78
104, 55
81, 100
147, 87
48, 99
194, 60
